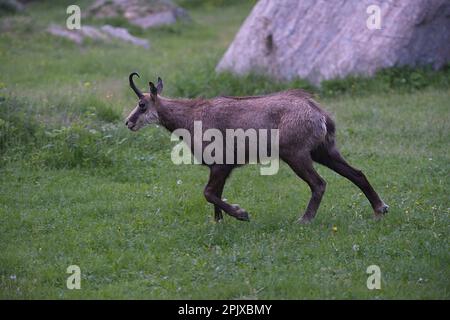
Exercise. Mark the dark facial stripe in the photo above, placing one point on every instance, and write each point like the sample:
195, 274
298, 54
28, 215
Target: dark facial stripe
134, 117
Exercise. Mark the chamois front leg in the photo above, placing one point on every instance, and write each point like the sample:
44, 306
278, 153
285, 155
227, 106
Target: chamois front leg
220, 185
213, 191
217, 211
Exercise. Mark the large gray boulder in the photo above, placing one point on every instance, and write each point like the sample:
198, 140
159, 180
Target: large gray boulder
319, 39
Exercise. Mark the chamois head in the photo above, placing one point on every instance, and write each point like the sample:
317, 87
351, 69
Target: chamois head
145, 111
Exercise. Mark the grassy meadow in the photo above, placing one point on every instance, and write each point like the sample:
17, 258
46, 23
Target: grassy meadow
78, 188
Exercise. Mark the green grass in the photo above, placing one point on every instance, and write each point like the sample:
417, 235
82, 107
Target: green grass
76, 187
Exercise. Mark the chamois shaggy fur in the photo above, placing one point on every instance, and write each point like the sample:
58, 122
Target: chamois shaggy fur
306, 134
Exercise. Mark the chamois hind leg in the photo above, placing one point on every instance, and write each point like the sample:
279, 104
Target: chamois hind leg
302, 165
217, 177
330, 157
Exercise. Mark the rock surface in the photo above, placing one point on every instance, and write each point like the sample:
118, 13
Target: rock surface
124, 35
105, 33
318, 39
142, 13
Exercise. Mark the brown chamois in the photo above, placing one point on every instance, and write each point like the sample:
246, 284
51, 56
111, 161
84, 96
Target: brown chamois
306, 134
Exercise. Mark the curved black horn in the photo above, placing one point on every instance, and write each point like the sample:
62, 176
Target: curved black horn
133, 86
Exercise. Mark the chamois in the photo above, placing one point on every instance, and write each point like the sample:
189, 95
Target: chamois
306, 134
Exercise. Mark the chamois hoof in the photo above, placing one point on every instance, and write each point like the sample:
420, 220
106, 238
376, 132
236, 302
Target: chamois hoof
381, 211
240, 213
218, 217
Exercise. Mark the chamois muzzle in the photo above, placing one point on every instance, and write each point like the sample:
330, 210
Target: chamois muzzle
133, 86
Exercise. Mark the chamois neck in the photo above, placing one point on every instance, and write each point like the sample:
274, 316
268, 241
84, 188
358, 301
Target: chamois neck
178, 113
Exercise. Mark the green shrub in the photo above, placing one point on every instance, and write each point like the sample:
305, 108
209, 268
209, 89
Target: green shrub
18, 126
73, 146
81, 106
208, 83
77, 145
93, 106
398, 78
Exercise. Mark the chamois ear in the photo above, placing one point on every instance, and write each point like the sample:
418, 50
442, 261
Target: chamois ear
153, 89
159, 85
